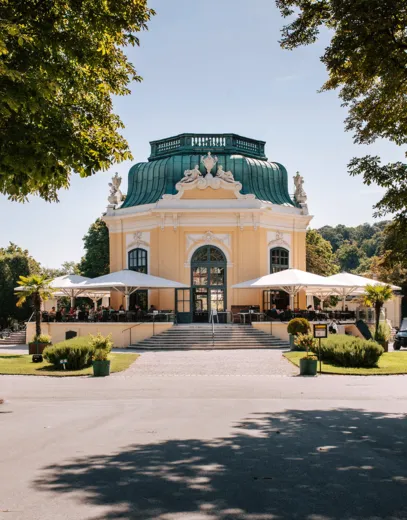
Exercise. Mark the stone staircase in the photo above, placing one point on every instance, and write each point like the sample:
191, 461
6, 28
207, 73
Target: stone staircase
15, 338
199, 337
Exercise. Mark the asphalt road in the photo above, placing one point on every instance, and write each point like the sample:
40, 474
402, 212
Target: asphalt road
203, 447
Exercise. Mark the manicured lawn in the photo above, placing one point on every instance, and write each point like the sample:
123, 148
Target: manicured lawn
389, 363
22, 364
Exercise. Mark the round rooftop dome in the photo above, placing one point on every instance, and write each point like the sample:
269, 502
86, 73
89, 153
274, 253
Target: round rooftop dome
149, 181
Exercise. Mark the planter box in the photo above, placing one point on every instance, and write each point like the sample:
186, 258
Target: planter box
32, 347
101, 368
292, 338
308, 367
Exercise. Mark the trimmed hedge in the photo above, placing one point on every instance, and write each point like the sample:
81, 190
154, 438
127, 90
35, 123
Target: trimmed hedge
77, 351
349, 351
299, 326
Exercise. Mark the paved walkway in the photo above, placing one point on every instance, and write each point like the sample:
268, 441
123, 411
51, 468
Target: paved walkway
251, 362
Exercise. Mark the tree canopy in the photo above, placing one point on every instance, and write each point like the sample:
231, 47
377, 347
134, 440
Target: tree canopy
366, 60
320, 258
61, 62
96, 260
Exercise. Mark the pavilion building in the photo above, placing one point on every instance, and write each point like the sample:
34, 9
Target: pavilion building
209, 211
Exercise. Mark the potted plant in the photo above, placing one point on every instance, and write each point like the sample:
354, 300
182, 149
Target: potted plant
309, 363
36, 287
37, 345
101, 363
383, 335
376, 296
295, 327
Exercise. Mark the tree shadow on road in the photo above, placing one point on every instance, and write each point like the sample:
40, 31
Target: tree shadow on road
316, 465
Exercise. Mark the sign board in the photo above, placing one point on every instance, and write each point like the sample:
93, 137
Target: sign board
63, 361
320, 330
215, 312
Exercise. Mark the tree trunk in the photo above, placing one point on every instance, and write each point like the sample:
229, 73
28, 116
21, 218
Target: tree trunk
37, 311
378, 308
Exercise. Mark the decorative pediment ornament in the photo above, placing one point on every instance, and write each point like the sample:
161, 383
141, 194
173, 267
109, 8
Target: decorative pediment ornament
193, 179
279, 240
209, 162
137, 240
208, 238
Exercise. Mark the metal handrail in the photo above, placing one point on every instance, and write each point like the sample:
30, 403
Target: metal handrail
132, 327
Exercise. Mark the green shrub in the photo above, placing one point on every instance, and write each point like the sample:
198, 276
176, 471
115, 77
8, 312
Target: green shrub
305, 342
42, 338
383, 333
101, 342
350, 351
77, 351
299, 326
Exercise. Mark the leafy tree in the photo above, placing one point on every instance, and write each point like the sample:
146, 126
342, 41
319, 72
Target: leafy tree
36, 287
367, 60
61, 63
349, 256
14, 261
376, 296
320, 258
66, 268
96, 261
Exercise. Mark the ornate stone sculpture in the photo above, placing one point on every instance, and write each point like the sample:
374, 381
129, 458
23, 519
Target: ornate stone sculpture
116, 195
225, 176
299, 194
209, 162
191, 175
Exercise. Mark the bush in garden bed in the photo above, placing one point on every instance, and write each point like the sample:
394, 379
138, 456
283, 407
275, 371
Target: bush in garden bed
77, 351
349, 351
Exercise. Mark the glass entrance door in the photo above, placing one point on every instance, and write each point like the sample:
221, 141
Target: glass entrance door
208, 282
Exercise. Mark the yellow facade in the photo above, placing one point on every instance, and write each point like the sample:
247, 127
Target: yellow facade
170, 249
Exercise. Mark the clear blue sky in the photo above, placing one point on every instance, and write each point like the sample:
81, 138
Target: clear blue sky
215, 66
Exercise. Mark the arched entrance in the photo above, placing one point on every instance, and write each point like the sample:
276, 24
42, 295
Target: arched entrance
208, 282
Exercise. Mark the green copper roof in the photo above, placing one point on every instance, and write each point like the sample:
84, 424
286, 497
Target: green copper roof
149, 181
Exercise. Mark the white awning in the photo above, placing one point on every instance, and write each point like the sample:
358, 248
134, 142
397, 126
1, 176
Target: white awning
129, 281
355, 282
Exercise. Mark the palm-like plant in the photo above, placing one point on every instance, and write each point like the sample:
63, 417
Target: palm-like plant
376, 296
36, 287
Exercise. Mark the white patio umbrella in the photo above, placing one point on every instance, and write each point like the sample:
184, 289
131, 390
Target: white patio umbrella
292, 281
128, 282
70, 285
348, 283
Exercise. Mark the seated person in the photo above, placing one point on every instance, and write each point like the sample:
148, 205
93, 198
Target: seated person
92, 314
121, 309
151, 309
274, 313
287, 315
52, 314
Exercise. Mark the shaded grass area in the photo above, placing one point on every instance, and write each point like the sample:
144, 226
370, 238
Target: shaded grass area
23, 365
389, 363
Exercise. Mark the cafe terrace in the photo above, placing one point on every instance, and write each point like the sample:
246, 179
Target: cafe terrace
206, 213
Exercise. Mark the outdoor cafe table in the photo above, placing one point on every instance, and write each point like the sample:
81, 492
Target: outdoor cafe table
244, 314
166, 314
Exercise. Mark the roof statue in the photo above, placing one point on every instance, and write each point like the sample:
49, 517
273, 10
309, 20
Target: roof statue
115, 198
226, 176
191, 175
299, 195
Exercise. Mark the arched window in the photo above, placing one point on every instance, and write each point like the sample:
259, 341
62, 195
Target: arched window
138, 260
279, 259
208, 282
